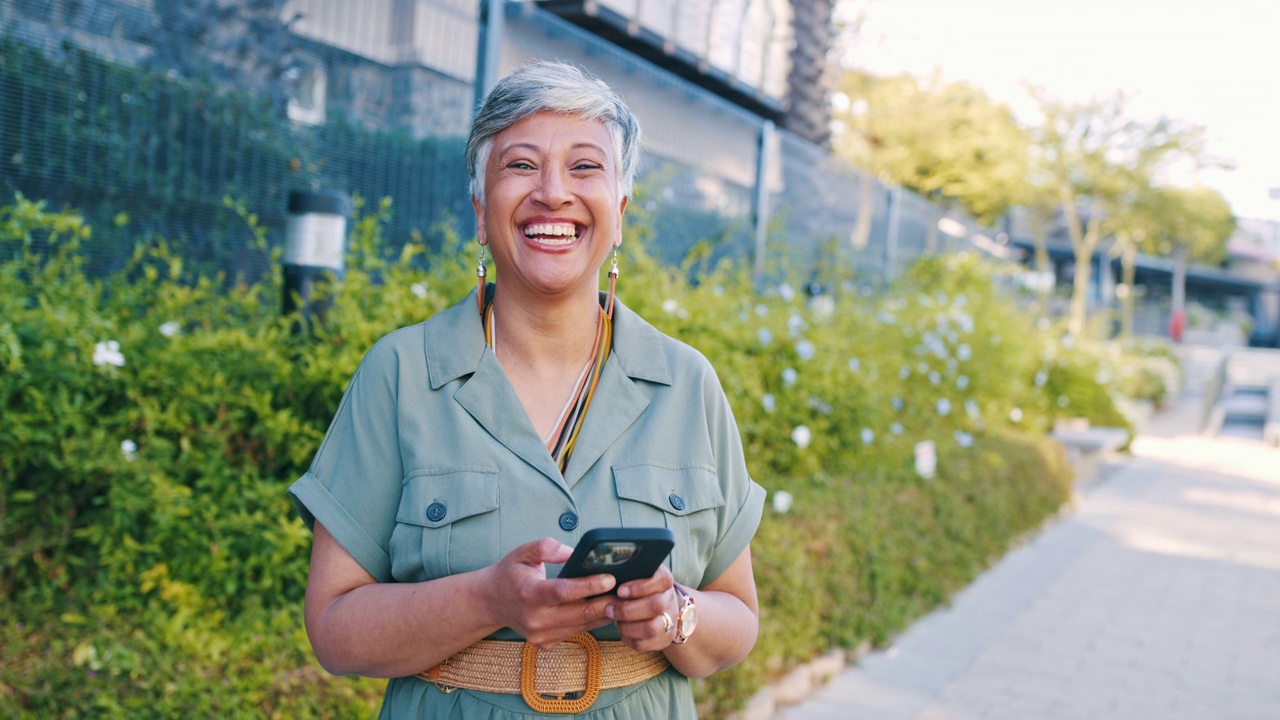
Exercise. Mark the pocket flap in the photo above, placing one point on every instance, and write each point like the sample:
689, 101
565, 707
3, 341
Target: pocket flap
435, 499
678, 491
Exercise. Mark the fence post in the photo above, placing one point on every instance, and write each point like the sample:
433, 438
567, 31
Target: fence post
314, 244
764, 168
891, 237
490, 45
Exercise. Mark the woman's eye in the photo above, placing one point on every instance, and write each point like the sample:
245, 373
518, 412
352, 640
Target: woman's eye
520, 165
586, 166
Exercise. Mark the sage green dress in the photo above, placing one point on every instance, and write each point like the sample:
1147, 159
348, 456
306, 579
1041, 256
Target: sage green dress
432, 467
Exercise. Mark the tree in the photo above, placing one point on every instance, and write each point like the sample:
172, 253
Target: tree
1098, 162
1196, 226
946, 141
809, 79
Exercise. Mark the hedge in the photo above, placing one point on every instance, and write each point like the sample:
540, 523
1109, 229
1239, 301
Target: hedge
152, 565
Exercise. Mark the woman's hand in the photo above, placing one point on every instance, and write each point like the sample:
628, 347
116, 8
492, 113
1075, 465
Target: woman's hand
545, 611
638, 611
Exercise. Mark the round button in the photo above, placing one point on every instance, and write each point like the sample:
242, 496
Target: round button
676, 501
436, 511
568, 521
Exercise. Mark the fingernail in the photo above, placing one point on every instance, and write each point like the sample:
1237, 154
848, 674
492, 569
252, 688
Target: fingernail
608, 612
624, 591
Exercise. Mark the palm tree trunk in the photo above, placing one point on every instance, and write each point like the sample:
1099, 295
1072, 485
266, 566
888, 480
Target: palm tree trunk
809, 80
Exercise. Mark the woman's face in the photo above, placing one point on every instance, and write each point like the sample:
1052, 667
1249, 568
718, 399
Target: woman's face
553, 204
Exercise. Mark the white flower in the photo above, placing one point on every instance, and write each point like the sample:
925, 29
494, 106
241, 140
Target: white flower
1063, 401
718, 290
1042, 377
805, 350
943, 406
769, 402
786, 292
796, 325
419, 289
1015, 415
854, 364
964, 352
671, 307
962, 382
926, 457
896, 402
922, 366
971, 408
896, 428
905, 372
130, 450
789, 377
781, 501
886, 318
817, 404
765, 336
108, 353
934, 377
761, 310
171, 328
963, 439
801, 436
868, 436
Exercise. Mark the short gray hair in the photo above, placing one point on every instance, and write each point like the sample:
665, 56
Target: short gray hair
556, 87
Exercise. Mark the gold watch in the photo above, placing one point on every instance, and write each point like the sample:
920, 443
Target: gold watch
687, 621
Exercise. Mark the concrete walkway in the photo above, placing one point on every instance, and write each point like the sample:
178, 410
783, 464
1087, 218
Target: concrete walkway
1157, 598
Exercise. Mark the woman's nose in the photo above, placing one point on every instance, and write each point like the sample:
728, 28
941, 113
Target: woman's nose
553, 188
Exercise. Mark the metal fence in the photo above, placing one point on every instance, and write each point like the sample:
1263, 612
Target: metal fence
93, 117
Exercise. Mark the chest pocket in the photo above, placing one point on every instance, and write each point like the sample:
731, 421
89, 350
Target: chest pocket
684, 499
447, 523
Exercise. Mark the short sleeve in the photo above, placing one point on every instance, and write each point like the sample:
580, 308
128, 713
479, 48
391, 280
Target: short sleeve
354, 482
744, 498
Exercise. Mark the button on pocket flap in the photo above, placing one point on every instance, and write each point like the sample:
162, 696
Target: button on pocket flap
678, 491
437, 499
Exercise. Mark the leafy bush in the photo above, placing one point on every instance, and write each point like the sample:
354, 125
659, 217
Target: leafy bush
152, 564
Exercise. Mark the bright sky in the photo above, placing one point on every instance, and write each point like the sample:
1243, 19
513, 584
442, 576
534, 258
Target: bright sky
1214, 63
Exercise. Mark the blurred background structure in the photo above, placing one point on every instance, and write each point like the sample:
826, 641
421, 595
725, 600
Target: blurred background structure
181, 118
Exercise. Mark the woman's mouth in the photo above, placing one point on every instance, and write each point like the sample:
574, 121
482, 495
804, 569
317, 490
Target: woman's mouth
552, 233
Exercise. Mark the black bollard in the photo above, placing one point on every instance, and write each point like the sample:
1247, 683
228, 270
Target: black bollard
315, 240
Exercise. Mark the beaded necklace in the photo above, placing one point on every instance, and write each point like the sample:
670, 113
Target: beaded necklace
564, 433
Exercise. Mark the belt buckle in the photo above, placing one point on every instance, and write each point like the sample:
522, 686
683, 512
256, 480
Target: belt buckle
529, 673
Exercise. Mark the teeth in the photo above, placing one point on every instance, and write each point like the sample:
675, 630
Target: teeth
568, 231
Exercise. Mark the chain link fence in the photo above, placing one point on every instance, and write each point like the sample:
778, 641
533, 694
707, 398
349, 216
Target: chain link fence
100, 113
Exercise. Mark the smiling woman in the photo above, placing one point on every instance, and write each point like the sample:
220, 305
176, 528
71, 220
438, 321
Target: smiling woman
473, 450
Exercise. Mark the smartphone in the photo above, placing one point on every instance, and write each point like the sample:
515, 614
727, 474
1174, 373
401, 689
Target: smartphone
626, 553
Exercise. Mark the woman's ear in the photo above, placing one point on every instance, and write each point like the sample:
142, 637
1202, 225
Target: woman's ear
622, 208
481, 236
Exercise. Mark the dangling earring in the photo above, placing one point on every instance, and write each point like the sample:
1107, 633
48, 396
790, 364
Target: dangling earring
481, 273
613, 283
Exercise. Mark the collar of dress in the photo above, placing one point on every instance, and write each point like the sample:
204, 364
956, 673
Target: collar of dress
455, 344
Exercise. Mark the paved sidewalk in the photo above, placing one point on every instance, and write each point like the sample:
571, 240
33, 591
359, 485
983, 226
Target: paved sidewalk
1157, 598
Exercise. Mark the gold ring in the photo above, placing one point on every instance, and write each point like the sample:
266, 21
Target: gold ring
666, 623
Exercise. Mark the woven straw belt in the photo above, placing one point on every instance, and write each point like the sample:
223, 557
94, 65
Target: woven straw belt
580, 664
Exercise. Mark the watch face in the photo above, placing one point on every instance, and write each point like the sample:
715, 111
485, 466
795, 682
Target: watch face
688, 620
